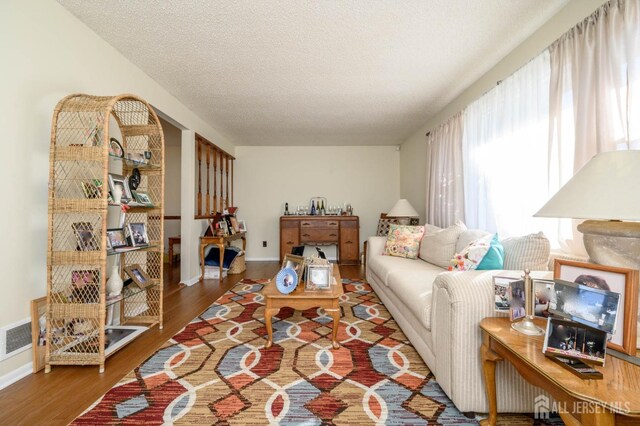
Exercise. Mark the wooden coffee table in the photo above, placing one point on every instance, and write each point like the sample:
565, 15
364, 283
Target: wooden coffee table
613, 400
300, 300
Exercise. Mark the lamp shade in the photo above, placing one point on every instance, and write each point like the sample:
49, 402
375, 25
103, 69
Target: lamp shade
603, 189
403, 208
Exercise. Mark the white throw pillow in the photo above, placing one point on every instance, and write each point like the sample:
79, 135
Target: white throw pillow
528, 252
469, 236
439, 246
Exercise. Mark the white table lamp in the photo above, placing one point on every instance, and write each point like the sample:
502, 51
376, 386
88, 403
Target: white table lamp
404, 211
604, 189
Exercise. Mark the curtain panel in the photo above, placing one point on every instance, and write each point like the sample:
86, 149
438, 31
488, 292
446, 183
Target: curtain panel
594, 100
445, 194
504, 151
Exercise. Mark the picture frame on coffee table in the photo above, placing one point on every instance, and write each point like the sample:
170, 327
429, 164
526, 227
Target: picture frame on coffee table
623, 281
319, 277
294, 262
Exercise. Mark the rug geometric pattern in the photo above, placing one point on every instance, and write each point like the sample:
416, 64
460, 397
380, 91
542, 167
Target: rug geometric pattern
217, 371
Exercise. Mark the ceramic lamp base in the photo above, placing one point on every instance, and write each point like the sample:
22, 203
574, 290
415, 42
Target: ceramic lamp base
528, 327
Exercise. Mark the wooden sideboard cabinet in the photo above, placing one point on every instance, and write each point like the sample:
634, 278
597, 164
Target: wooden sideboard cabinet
343, 231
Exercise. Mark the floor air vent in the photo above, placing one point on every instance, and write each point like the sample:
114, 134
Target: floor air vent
15, 338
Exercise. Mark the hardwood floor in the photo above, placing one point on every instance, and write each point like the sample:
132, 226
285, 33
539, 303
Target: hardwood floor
60, 396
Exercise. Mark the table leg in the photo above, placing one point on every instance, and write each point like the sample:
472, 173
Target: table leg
335, 314
489, 359
221, 251
268, 313
599, 417
171, 252
202, 246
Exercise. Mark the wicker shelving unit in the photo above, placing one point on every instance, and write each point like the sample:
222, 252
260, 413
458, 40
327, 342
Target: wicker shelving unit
78, 261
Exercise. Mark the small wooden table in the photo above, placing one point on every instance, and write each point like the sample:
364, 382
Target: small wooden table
614, 399
173, 241
300, 300
221, 242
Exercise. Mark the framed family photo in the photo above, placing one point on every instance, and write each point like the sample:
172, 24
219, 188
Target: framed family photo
623, 281
138, 234
138, 275
294, 262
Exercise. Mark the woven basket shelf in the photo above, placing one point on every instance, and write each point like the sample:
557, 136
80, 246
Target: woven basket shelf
77, 256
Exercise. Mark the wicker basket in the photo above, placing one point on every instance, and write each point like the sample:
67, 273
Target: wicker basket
238, 265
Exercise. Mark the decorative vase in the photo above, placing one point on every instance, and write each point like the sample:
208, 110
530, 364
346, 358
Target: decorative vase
117, 194
114, 283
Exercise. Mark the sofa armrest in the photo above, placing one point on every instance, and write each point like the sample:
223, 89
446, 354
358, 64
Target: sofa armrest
375, 246
460, 301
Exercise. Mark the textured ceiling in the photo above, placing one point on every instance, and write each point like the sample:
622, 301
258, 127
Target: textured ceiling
315, 72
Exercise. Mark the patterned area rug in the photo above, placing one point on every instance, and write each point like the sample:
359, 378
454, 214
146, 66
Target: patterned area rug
217, 371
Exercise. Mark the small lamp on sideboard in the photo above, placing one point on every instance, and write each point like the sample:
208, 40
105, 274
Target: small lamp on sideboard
604, 192
403, 211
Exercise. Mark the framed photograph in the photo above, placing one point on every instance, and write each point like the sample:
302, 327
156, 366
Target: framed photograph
623, 281
138, 275
230, 229
501, 292
85, 286
234, 224
136, 157
319, 277
115, 148
86, 239
138, 234
120, 182
223, 225
516, 300
92, 189
142, 198
116, 238
294, 262
38, 332
545, 295
242, 225
574, 340
286, 280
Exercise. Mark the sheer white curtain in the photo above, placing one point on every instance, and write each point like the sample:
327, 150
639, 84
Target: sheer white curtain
505, 151
594, 96
445, 195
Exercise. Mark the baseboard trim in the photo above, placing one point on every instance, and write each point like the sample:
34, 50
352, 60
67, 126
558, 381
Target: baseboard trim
191, 281
15, 375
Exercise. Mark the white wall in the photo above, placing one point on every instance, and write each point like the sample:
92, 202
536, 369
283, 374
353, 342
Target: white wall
414, 149
267, 177
47, 54
172, 180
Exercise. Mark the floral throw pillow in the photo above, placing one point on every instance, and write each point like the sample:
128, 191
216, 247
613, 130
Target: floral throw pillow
482, 254
403, 241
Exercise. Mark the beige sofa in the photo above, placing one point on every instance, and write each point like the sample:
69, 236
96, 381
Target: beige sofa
440, 312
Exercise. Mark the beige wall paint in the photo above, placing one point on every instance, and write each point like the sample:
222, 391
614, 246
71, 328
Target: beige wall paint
414, 149
47, 54
267, 177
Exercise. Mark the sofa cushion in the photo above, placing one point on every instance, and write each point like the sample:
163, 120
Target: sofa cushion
383, 226
440, 246
413, 288
468, 236
482, 254
382, 266
528, 252
403, 241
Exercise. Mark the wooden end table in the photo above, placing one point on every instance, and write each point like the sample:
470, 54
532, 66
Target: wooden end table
221, 242
614, 399
300, 300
